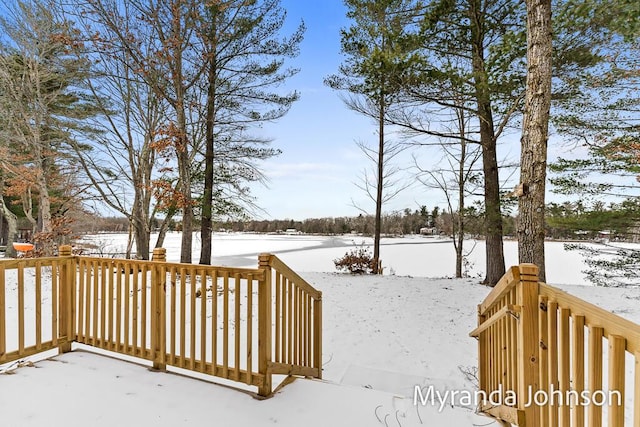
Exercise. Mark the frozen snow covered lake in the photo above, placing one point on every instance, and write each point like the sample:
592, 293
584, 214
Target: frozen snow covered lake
417, 256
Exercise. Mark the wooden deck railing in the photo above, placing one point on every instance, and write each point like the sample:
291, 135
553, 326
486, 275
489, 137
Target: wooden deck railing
545, 347
206, 319
35, 296
297, 333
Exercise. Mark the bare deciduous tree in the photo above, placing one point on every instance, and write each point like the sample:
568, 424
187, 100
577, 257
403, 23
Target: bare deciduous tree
457, 179
122, 160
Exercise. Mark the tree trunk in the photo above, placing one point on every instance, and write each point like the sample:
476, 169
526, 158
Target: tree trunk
535, 129
187, 209
45, 245
178, 102
139, 218
184, 170
164, 227
27, 209
493, 217
44, 200
459, 250
2, 230
378, 218
142, 243
207, 196
44, 203
142, 235
130, 238
143, 183
461, 185
12, 225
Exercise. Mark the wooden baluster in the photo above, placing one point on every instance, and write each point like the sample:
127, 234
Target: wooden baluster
158, 309
67, 287
616, 380
594, 414
264, 324
528, 345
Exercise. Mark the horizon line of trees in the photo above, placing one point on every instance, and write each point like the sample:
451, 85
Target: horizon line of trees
564, 221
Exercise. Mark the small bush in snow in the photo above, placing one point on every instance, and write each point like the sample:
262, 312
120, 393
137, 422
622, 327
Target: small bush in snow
356, 261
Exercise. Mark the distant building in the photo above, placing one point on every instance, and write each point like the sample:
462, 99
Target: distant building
604, 236
291, 231
24, 231
428, 231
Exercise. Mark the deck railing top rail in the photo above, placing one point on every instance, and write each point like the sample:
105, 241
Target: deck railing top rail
611, 323
277, 264
191, 269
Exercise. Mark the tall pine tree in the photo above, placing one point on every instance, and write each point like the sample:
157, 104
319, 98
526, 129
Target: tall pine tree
380, 49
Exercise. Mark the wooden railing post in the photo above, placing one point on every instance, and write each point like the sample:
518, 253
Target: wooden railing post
264, 324
528, 345
65, 300
158, 309
317, 335
482, 356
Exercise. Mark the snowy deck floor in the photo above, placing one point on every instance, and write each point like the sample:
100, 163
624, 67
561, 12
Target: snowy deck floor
88, 389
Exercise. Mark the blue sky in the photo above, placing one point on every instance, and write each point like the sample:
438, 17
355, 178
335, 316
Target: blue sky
315, 175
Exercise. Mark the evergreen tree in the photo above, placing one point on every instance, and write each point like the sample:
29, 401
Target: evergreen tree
475, 50
380, 49
602, 117
472, 54
43, 105
244, 55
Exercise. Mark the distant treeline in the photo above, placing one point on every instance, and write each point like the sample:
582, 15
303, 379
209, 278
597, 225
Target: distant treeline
565, 221
397, 223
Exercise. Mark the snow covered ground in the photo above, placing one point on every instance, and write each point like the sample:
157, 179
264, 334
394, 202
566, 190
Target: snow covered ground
383, 335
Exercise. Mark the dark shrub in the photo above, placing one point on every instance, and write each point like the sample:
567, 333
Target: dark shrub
356, 261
